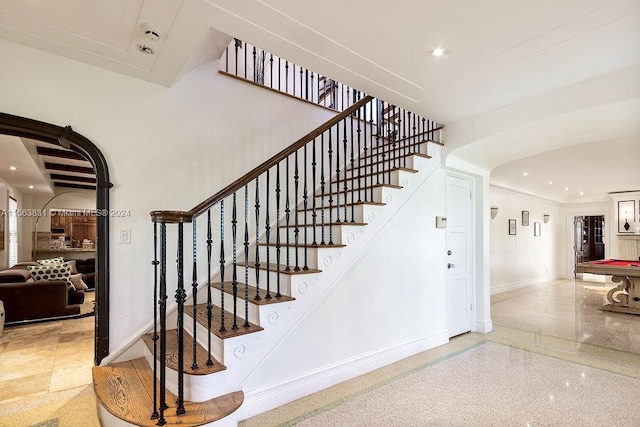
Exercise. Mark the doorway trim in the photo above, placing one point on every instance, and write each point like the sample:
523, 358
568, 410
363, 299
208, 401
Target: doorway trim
68, 138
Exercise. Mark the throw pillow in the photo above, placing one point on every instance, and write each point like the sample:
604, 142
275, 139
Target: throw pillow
57, 260
78, 283
74, 268
52, 272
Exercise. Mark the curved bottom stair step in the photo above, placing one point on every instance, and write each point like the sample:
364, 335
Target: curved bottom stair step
125, 391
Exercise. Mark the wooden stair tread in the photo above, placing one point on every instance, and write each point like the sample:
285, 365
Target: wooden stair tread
172, 354
352, 190
273, 267
252, 293
216, 321
341, 205
125, 389
309, 245
326, 224
376, 173
390, 143
388, 159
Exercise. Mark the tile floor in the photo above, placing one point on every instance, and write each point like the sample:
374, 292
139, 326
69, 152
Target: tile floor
540, 325
45, 357
560, 319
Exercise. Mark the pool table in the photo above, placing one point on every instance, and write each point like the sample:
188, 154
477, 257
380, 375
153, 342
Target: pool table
625, 298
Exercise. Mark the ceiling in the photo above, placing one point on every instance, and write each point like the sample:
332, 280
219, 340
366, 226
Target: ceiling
40, 169
521, 79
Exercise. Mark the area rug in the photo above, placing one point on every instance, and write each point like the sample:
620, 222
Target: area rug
488, 385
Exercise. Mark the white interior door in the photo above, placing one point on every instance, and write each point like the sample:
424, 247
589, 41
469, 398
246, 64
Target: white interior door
459, 254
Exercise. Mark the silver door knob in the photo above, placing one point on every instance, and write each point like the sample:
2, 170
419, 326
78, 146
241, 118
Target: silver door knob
449, 265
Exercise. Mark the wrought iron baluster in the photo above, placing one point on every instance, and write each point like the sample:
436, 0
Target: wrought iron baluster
364, 172
312, 86
305, 204
194, 295
209, 299
330, 191
337, 127
287, 212
234, 246
245, 60
268, 296
345, 185
301, 75
267, 232
313, 186
361, 156
155, 337
163, 323
257, 208
296, 230
371, 145
222, 263
293, 79
255, 66
286, 76
181, 296
353, 171
322, 183
279, 74
246, 254
271, 70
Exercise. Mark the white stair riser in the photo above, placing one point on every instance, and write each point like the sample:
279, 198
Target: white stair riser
395, 161
285, 279
313, 255
341, 233
397, 178
360, 214
380, 195
254, 310
197, 388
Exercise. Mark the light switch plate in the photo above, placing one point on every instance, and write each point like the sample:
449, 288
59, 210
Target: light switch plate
125, 236
441, 222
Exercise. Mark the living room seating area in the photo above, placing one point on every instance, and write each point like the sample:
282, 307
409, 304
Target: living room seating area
26, 299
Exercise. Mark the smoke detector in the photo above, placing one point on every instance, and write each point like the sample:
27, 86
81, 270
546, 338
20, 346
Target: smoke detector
151, 33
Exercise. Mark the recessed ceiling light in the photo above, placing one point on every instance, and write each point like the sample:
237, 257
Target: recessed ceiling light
566, 188
550, 182
439, 51
31, 187
525, 174
581, 193
12, 168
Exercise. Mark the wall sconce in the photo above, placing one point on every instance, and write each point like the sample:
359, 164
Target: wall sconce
494, 212
546, 217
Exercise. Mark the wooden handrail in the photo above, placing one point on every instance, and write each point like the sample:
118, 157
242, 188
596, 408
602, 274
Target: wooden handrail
187, 216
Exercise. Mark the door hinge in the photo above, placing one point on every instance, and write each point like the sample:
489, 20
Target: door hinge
471, 307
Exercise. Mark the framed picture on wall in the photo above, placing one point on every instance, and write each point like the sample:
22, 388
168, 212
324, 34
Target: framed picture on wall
626, 216
536, 229
512, 227
525, 218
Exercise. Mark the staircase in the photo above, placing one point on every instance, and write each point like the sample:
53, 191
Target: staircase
272, 243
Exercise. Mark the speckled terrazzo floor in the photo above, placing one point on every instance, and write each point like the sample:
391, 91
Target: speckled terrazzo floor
554, 359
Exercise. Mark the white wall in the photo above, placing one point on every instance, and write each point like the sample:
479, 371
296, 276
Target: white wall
167, 148
523, 259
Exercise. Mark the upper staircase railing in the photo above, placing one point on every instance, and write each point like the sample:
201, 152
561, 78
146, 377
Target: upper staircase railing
292, 201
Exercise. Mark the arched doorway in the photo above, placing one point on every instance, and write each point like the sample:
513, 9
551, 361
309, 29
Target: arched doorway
68, 138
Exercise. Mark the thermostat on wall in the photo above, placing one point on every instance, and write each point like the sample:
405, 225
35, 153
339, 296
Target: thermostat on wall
441, 222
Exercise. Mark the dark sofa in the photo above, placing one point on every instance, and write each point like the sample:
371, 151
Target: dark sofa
28, 300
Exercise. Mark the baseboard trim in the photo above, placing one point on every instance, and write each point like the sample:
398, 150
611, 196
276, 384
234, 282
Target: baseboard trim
484, 326
513, 286
271, 396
